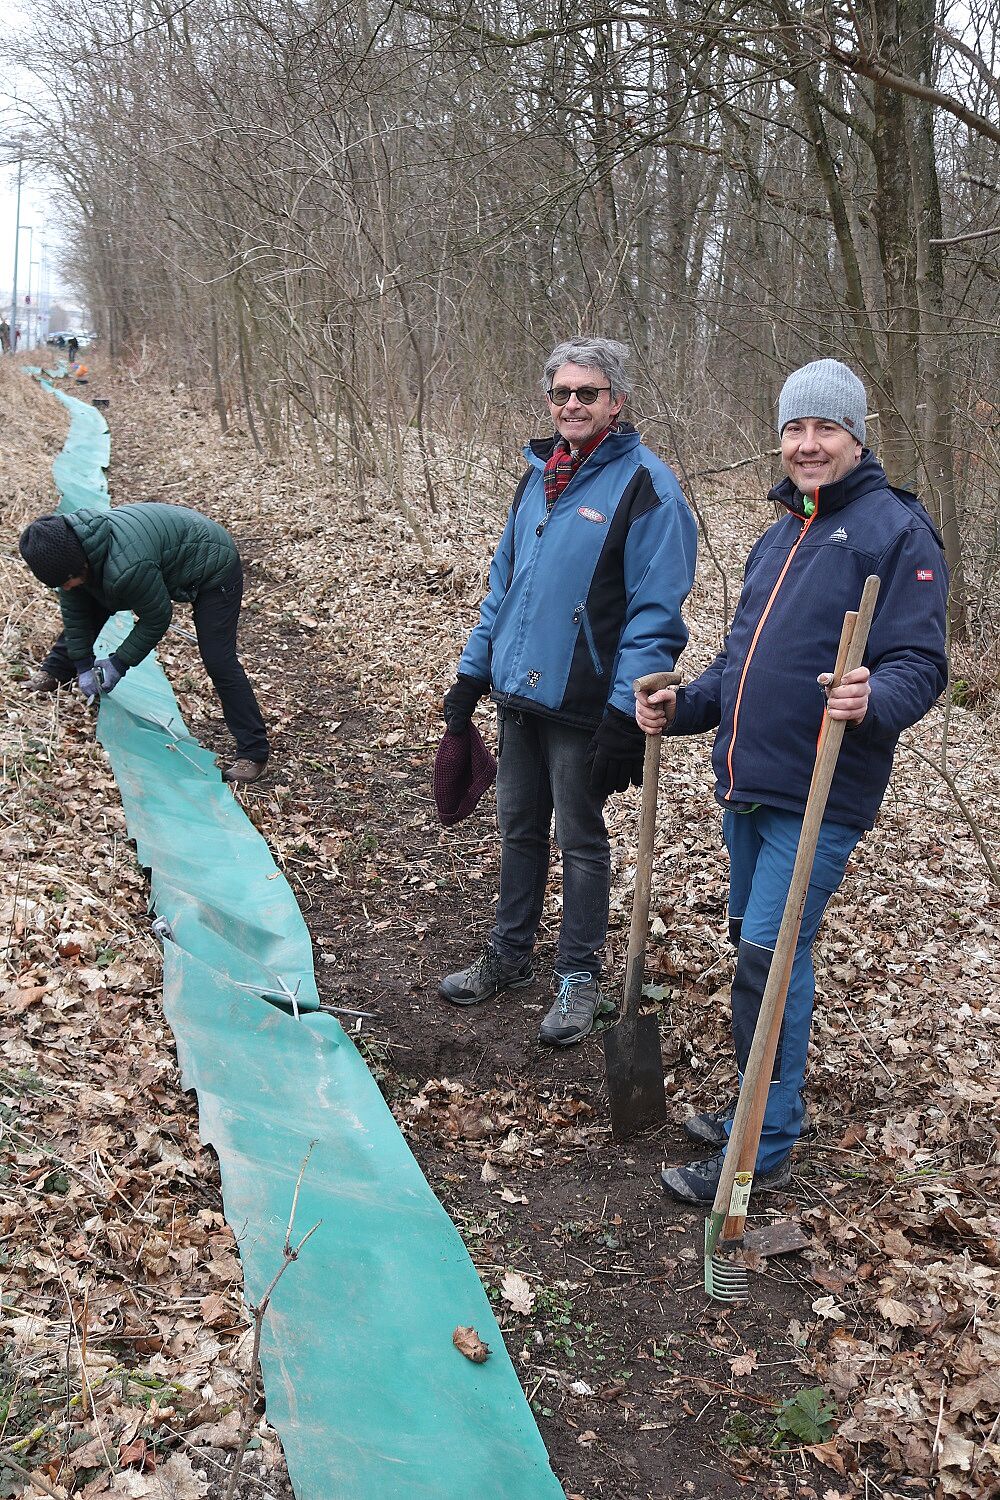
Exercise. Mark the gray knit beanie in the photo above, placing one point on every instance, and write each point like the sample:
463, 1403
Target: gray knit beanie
825, 388
52, 550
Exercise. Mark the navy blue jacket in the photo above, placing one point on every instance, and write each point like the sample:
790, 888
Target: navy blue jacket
801, 577
587, 597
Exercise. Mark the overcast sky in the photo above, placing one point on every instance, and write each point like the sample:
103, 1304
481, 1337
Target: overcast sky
39, 206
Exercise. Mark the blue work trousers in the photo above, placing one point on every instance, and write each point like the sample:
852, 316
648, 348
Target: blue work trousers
762, 845
541, 769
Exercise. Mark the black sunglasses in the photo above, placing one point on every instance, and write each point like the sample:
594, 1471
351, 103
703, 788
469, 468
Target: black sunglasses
585, 394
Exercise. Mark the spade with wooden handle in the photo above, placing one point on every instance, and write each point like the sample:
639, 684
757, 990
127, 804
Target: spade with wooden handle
632, 1056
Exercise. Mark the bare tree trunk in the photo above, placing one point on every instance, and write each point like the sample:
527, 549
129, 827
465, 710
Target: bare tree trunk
917, 19
220, 399
244, 372
810, 103
893, 211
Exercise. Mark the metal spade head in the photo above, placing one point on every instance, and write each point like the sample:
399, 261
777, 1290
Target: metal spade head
635, 1076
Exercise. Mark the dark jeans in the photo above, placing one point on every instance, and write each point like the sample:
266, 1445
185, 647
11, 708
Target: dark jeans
542, 769
216, 614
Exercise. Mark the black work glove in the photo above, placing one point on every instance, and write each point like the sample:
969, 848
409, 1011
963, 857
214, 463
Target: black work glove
615, 754
460, 702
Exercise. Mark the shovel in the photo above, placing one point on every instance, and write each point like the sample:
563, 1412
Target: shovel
632, 1057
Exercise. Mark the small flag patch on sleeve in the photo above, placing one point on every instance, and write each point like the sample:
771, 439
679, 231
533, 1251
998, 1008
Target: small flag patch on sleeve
925, 575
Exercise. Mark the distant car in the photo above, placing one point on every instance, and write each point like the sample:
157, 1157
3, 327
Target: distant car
61, 338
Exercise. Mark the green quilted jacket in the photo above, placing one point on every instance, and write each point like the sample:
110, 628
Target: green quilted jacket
142, 557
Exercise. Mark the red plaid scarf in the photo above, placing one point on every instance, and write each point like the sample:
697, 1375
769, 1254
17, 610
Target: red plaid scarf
563, 464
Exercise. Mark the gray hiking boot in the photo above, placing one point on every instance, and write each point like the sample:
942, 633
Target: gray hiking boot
697, 1183
709, 1129
571, 1018
487, 977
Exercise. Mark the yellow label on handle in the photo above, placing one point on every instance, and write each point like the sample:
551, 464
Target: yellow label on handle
740, 1199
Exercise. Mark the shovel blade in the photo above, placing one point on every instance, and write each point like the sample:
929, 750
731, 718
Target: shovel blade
635, 1077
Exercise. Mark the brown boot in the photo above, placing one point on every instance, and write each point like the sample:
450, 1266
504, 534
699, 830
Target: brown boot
43, 682
243, 771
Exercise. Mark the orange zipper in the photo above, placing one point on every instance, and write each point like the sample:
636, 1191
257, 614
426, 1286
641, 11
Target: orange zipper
756, 636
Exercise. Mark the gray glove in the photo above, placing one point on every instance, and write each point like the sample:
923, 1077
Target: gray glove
89, 684
109, 674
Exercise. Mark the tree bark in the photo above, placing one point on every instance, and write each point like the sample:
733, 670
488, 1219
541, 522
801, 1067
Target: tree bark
893, 211
917, 24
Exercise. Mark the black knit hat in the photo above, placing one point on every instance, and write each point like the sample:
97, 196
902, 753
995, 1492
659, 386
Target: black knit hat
52, 550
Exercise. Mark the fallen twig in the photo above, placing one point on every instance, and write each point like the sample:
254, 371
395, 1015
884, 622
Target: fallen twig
964, 809
6, 1457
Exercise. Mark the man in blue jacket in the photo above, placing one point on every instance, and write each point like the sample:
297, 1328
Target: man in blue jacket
585, 594
765, 695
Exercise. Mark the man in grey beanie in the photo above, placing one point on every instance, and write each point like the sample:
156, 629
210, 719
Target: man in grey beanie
765, 695
826, 389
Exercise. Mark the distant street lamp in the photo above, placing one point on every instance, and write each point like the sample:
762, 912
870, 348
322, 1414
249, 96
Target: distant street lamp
29, 229
17, 228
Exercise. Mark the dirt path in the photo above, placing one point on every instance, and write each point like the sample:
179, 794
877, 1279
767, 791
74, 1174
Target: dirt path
641, 1388
628, 1372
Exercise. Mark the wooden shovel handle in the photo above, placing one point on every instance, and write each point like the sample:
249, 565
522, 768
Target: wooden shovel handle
654, 681
634, 961
744, 1140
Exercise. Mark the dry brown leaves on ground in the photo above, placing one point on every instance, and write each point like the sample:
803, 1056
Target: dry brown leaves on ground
123, 1343
114, 1246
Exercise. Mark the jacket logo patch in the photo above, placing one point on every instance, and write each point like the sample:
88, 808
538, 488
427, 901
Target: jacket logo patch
840, 535
925, 575
533, 678
591, 515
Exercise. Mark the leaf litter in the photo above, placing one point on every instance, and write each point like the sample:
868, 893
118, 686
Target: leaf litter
112, 1381
117, 1257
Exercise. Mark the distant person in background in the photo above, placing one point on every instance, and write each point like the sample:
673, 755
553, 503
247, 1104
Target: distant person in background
4, 336
141, 558
72, 348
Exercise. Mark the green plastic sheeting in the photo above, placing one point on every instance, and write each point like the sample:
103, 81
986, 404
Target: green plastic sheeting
211, 874
79, 469
363, 1384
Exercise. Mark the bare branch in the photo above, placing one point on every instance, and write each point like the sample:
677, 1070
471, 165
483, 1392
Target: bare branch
974, 234
971, 56
870, 67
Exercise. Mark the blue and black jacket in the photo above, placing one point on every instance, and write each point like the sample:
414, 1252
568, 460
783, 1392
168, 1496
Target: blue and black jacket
586, 597
801, 577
